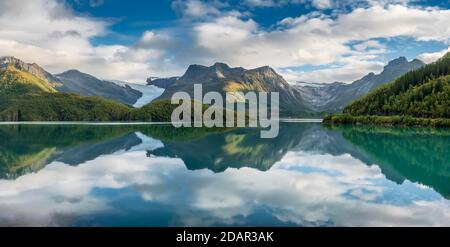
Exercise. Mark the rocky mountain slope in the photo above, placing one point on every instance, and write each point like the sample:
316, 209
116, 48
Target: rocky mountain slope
223, 79
31, 68
14, 82
74, 81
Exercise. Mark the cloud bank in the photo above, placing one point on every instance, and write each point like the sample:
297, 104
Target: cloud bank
53, 35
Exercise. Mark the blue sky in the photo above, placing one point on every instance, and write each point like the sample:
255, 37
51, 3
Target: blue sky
304, 40
131, 19
138, 16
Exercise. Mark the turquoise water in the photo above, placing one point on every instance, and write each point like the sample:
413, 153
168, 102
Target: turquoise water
155, 175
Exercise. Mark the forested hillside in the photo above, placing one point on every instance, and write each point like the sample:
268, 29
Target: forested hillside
25, 97
421, 93
420, 97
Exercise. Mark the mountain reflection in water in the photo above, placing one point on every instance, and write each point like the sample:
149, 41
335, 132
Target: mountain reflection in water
158, 175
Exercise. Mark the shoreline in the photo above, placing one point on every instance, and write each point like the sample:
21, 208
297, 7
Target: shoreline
390, 121
283, 120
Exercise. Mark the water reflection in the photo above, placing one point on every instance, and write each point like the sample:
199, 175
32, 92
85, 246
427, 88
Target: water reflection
418, 155
157, 175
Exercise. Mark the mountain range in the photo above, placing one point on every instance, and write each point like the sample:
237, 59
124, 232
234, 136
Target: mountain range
74, 81
224, 79
334, 97
300, 99
296, 100
27, 93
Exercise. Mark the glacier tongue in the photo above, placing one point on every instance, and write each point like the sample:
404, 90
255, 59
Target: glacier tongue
149, 93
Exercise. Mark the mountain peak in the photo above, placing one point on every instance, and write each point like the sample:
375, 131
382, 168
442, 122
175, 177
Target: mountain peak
196, 66
194, 69
265, 68
221, 65
266, 71
74, 73
19, 64
217, 70
370, 75
71, 71
10, 60
397, 61
32, 68
403, 62
401, 59
221, 70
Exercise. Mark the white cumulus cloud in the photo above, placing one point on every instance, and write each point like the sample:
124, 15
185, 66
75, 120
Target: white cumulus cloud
430, 57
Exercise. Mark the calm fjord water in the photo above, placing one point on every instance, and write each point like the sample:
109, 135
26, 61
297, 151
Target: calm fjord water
310, 175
